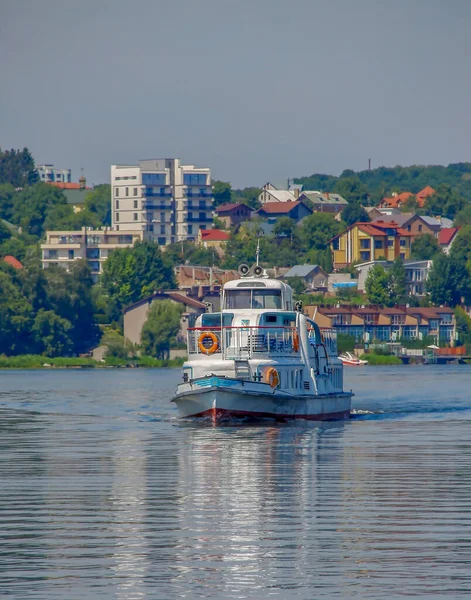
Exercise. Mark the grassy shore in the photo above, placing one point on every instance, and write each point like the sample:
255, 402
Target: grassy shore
33, 361
381, 359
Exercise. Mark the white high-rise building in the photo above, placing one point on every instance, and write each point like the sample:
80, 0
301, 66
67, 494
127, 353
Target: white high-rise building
169, 201
49, 174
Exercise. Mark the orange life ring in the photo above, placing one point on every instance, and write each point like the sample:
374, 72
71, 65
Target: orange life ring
204, 336
295, 341
271, 377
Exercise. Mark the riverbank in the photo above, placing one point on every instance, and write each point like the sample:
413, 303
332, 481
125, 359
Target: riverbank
34, 361
381, 359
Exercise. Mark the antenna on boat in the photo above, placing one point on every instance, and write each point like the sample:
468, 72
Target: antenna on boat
257, 253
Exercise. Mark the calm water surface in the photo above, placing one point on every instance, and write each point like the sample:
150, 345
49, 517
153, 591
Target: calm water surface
105, 493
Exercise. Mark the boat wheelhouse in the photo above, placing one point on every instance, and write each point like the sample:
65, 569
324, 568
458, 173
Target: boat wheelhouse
260, 356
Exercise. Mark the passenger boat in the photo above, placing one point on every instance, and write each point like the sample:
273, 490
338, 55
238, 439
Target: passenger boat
260, 356
352, 361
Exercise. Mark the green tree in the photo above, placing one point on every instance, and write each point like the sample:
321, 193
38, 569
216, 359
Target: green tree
464, 216
398, 281
410, 205
17, 168
222, 192
285, 227
161, 327
461, 247
448, 281
130, 274
7, 200
354, 213
51, 334
34, 205
425, 247
352, 189
249, 196
297, 283
98, 204
445, 202
15, 316
317, 230
378, 286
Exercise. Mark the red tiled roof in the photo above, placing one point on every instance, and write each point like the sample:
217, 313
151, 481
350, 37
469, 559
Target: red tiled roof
427, 191
230, 206
214, 235
185, 300
66, 186
370, 230
446, 234
278, 207
396, 201
13, 262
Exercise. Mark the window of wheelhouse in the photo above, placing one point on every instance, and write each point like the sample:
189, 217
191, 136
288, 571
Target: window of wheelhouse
215, 319
256, 298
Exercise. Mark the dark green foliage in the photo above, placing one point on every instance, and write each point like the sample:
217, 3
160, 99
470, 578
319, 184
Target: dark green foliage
297, 283
425, 247
222, 192
191, 253
51, 334
248, 195
130, 274
17, 168
36, 204
378, 286
354, 213
398, 280
461, 248
445, 202
98, 205
382, 181
345, 343
161, 328
448, 281
464, 216
352, 189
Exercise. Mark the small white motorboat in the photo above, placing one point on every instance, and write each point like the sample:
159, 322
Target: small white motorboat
352, 361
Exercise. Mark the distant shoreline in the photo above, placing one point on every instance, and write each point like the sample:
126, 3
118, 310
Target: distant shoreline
30, 361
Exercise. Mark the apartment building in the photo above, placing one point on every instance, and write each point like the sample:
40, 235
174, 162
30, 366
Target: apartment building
64, 247
49, 174
168, 201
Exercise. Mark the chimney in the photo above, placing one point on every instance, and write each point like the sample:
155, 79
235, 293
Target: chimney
296, 193
82, 181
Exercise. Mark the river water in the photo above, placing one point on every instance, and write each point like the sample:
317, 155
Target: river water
105, 493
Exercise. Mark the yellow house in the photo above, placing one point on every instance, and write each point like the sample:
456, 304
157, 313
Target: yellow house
363, 242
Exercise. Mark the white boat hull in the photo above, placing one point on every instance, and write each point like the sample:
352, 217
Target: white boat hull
221, 398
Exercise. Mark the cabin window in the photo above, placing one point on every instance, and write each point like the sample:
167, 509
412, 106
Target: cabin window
237, 299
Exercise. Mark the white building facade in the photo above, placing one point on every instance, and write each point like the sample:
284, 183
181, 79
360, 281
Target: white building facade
49, 174
62, 248
165, 200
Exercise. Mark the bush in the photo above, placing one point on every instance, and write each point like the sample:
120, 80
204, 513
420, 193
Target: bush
378, 359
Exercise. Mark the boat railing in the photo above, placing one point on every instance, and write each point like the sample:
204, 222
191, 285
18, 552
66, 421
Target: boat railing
329, 336
243, 342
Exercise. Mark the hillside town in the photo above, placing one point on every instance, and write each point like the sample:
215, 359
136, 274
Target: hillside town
381, 272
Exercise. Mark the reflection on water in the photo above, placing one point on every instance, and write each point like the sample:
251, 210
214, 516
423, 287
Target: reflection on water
106, 494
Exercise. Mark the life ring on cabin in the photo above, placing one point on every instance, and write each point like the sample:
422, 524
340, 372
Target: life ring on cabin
271, 377
203, 337
295, 341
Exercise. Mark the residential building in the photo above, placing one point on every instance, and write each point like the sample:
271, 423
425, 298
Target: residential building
372, 323
64, 247
213, 238
363, 242
313, 276
271, 193
168, 201
446, 237
397, 200
74, 193
410, 222
324, 202
232, 214
294, 210
49, 174
203, 283
135, 315
417, 272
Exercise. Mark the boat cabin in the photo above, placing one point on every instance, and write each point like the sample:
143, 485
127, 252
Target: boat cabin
256, 294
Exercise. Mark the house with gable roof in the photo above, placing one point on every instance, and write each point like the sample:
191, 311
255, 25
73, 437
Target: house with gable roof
294, 210
397, 200
363, 242
446, 237
233, 213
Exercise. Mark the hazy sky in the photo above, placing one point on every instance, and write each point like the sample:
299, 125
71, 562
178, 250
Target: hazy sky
256, 89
